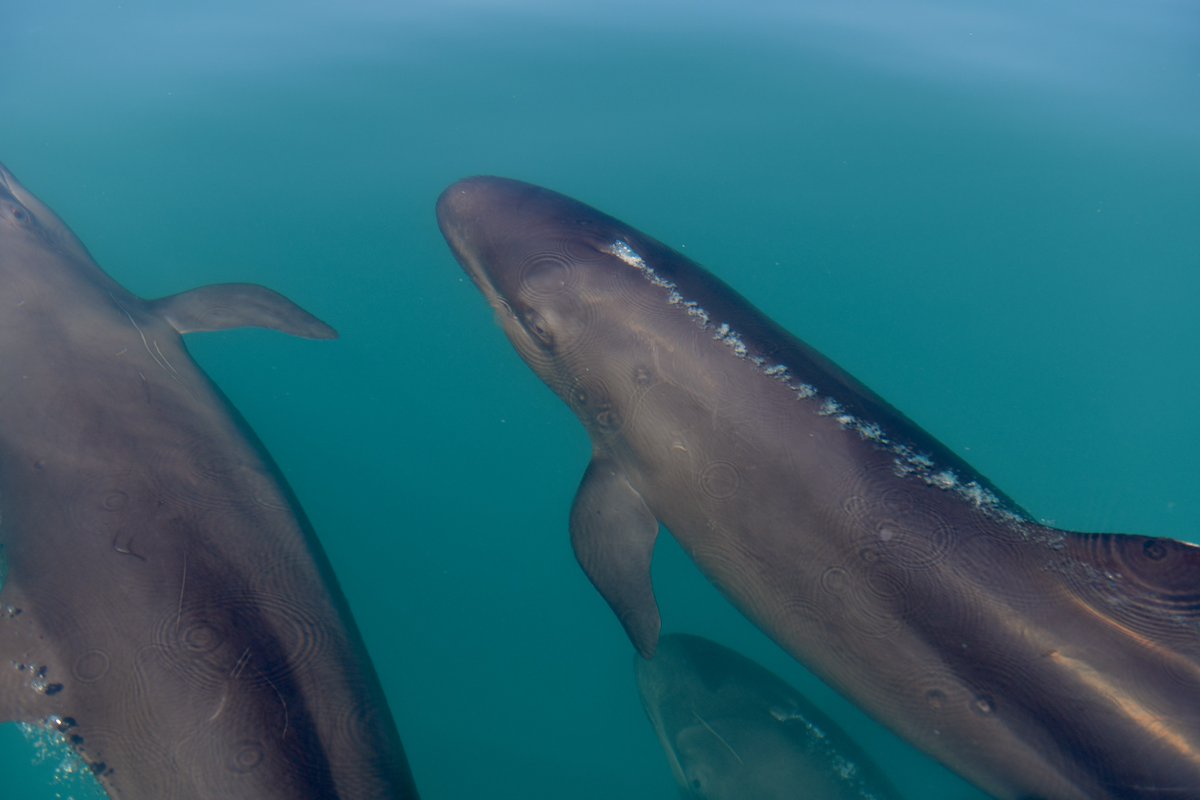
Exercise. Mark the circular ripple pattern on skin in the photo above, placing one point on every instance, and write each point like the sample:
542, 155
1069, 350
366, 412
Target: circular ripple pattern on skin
591, 399
134, 736
268, 495
1151, 586
210, 639
361, 728
582, 249
195, 474
358, 725
1165, 574
548, 275
644, 376
897, 522
100, 512
857, 606
245, 756
91, 666
550, 301
996, 566
915, 540
720, 480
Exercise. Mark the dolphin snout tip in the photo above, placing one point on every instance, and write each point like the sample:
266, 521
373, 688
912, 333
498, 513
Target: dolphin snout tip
451, 200
479, 197
461, 200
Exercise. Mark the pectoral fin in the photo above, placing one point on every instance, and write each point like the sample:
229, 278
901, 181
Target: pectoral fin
613, 534
222, 306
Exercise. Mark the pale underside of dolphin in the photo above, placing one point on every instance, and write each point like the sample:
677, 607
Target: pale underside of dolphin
166, 605
1038, 663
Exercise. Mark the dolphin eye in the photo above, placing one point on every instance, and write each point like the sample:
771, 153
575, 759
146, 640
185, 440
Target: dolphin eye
19, 214
535, 323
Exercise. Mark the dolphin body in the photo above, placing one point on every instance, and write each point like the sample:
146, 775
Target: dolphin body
165, 604
1038, 663
732, 730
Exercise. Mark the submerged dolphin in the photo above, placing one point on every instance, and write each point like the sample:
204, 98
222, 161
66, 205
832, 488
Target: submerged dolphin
165, 603
1038, 663
734, 731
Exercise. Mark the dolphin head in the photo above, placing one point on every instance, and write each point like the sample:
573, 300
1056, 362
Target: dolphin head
731, 729
562, 278
711, 721
26, 220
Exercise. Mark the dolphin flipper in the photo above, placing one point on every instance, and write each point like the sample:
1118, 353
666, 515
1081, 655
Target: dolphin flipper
222, 306
613, 533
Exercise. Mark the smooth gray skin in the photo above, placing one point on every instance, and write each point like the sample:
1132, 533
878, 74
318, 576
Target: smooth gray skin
166, 604
1037, 663
732, 730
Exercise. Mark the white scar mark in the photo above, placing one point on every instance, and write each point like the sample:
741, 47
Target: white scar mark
235, 673
127, 548
168, 364
155, 352
720, 738
182, 586
240, 664
220, 707
282, 702
907, 461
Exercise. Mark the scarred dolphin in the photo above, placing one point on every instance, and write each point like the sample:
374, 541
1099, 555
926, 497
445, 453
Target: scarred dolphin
732, 730
165, 604
1038, 663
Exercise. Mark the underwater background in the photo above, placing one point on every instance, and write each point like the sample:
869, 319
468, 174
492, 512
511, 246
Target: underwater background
987, 211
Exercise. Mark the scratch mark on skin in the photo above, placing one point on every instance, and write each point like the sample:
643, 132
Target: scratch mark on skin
282, 702
240, 664
720, 738
127, 549
220, 707
182, 586
158, 359
168, 364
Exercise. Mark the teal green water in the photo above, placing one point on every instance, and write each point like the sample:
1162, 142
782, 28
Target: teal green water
988, 211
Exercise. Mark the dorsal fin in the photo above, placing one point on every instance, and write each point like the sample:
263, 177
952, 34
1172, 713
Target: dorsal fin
222, 306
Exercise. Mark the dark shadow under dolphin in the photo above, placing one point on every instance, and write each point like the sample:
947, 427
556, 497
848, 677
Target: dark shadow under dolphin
165, 604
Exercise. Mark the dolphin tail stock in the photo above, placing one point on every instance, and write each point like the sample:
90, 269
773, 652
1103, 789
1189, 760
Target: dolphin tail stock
613, 534
1147, 585
223, 306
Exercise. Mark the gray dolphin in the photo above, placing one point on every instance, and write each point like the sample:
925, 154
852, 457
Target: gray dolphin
165, 603
1036, 662
732, 730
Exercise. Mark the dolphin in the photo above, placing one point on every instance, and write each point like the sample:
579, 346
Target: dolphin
165, 603
1036, 662
732, 730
